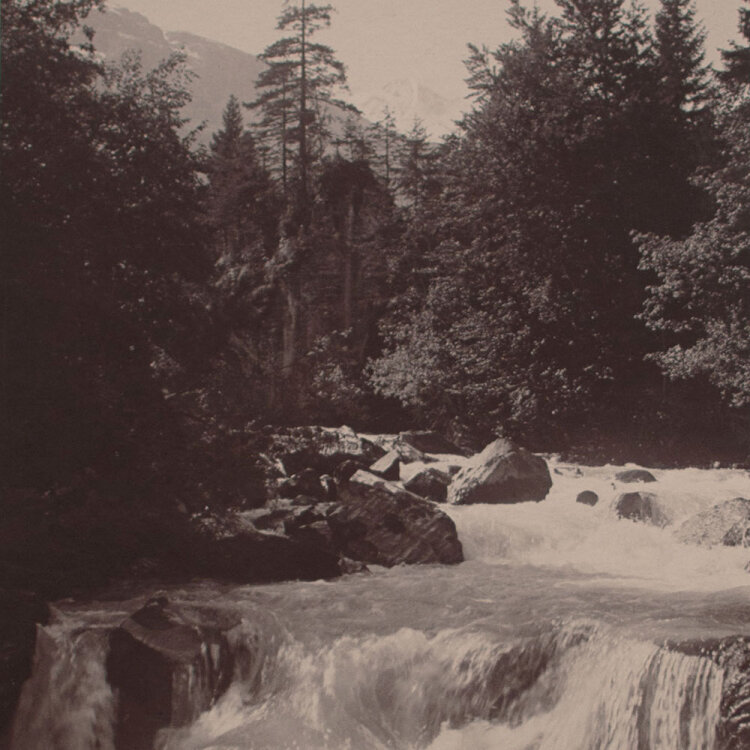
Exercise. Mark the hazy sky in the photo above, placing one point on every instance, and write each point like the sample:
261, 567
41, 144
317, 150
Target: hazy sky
383, 40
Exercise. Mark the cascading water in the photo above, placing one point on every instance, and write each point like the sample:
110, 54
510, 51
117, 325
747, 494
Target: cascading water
549, 637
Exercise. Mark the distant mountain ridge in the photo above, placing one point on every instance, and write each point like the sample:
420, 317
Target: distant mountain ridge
222, 70
410, 100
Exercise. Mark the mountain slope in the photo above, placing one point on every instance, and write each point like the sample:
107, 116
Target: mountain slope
221, 70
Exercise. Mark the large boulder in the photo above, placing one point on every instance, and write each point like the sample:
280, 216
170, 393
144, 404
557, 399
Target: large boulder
309, 525
166, 665
379, 522
501, 473
640, 506
321, 448
231, 548
726, 523
631, 476
429, 483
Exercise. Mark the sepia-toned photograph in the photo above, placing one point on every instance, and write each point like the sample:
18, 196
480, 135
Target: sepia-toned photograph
375, 375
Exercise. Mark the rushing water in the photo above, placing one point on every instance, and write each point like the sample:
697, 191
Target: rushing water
547, 638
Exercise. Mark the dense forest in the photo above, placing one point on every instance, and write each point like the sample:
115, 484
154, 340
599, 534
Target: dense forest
571, 268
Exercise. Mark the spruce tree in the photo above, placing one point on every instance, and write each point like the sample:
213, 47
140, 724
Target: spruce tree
241, 203
415, 166
737, 59
701, 302
680, 45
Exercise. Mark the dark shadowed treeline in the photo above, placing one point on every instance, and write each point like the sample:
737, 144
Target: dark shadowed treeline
572, 268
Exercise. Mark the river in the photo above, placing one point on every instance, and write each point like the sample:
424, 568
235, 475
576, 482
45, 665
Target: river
546, 638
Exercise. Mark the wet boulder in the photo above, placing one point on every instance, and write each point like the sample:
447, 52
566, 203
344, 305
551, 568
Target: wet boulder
501, 473
320, 448
231, 548
429, 483
631, 476
379, 522
587, 497
640, 506
727, 523
388, 466
166, 665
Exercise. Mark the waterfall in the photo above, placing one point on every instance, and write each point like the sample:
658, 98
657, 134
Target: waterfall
623, 696
568, 687
572, 688
67, 704
547, 638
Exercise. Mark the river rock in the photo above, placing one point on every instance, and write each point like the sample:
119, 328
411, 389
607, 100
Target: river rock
321, 448
426, 441
231, 548
388, 466
304, 483
726, 523
630, 476
20, 613
501, 473
393, 443
732, 654
587, 497
379, 522
640, 506
166, 665
429, 483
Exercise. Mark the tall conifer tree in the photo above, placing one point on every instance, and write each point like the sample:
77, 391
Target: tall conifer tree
300, 81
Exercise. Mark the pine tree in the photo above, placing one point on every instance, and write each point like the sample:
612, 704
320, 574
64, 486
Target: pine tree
273, 130
298, 85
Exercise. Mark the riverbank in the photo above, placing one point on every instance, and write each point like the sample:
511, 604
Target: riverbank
566, 628
327, 502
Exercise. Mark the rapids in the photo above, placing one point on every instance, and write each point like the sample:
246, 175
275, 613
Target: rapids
546, 638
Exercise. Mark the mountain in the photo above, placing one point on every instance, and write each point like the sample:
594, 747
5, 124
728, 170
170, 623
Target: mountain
221, 70
409, 100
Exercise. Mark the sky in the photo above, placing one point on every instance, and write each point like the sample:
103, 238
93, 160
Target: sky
384, 40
